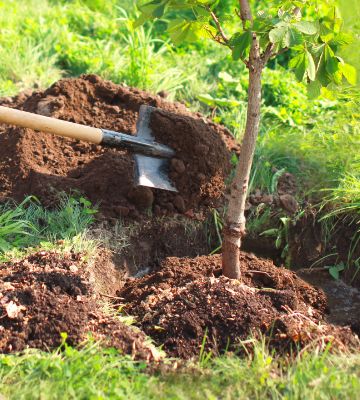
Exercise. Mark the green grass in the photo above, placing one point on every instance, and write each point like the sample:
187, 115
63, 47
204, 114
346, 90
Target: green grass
95, 373
29, 226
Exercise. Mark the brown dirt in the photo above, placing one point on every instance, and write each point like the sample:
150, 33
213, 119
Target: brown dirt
309, 244
141, 245
343, 300
42, 164
185, 299
202, 159
47, 294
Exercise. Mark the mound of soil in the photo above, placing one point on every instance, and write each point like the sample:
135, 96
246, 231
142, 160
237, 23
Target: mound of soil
47, 294
186, 300
42, 164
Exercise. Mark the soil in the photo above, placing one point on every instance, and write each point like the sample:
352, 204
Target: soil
202, 159
184, 304
41, 164
139, 246
46, 295
343, 300
310, 245
183, 301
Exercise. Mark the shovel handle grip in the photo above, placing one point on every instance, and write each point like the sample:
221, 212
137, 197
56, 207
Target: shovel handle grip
58, 127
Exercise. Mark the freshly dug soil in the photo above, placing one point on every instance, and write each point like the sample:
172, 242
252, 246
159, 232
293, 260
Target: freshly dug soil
185, 300
47, 294
343, 300
42, 164
201, 163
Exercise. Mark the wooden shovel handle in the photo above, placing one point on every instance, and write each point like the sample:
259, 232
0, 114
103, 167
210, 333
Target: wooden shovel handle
50, 125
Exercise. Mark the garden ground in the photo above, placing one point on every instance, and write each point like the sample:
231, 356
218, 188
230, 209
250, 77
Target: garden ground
52, 255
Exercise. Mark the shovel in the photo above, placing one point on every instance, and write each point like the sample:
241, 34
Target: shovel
151, 158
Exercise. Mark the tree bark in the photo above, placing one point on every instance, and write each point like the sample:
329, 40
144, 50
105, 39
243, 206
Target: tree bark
245, 12
235, 218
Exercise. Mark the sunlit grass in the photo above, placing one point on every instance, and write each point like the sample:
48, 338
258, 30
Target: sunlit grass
29, 227
95, 373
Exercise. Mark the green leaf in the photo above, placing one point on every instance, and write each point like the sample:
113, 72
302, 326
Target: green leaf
278, 242
212, 102
263, 41
150, 10
300, 64
314, 89
317, 50
301, 69
342, 39
286, 35
188, 31
336, 269
326, 34
322, 75
270, 232
262, 25
307, 27
349, 73
292, 38
277, 34
337, 77
332, 65
141, 20
241, 45
248, 24
311, 68
334, 273
159, 11
150, 6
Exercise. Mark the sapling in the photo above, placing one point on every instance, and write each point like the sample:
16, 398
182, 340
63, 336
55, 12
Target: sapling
296, 26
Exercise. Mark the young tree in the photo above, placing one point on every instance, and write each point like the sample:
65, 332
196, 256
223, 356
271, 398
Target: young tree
314, 41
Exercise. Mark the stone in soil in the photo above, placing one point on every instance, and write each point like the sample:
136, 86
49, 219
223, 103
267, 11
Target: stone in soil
185, 300
42, 164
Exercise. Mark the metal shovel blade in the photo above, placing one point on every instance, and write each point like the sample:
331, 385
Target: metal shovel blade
150, 171
153, 172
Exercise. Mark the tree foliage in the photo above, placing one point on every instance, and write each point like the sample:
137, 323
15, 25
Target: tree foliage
315, 39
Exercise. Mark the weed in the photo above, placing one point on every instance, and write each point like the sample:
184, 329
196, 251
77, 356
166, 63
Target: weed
204, 356
258, 219
281, 235
334, 270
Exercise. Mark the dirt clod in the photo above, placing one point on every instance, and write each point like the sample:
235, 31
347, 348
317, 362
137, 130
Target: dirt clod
289, 203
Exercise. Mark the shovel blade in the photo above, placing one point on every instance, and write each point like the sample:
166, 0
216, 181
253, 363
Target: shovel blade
153, 172
150, 171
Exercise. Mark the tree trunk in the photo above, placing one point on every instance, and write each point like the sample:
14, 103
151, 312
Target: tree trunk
235, 218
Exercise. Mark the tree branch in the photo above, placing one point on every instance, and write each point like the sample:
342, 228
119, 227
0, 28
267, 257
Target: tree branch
218, 25
245, 12
217, 38
267, 53
284, 50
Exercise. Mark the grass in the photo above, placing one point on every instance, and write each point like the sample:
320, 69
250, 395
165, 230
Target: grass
95, 373
29, 226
